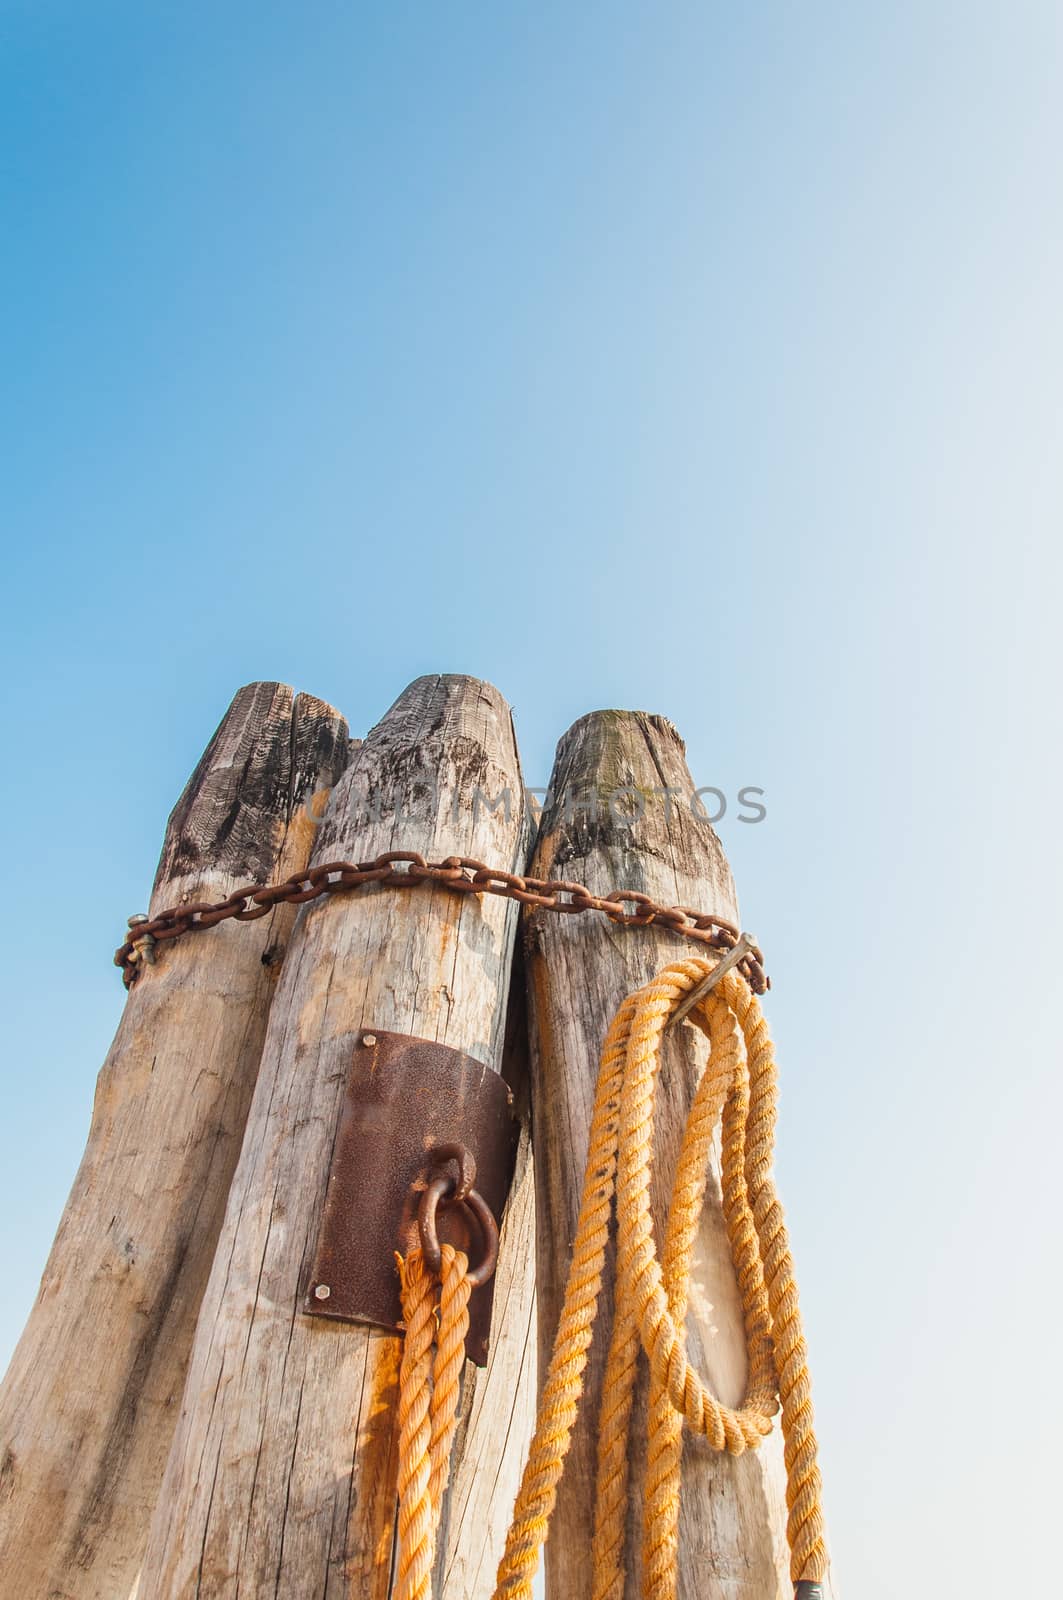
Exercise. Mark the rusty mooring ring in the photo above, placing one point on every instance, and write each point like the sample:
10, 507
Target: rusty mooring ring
442, 1189
465, 1162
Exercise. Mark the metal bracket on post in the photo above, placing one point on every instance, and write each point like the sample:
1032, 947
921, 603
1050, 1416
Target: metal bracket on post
409, 1107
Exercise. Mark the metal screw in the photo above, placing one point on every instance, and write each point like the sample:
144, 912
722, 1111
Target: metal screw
136, 920
369, 1038
322, 1291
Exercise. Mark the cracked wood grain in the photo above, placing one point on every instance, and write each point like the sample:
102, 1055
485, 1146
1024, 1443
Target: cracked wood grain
281, 1479
88, 1407
732, 1524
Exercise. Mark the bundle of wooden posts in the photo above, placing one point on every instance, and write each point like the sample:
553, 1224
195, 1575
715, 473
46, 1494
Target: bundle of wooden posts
172, 1424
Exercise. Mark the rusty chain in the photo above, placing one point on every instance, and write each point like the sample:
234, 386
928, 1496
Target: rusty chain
459, 875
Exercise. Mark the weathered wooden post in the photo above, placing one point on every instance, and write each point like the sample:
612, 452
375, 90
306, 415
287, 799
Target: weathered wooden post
89, 1403
621, 815
281, 1478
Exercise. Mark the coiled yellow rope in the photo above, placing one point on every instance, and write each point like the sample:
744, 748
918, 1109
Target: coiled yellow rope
740, 1080
433, 1354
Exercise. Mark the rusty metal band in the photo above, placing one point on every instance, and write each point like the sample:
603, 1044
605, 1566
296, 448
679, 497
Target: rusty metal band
405, 869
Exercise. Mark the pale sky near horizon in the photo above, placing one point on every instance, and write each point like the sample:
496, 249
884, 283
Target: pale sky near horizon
691, 359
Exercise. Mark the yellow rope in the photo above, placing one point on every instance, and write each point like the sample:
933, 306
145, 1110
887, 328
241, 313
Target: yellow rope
660, 1539
651, 1298
447, 1369
437, 1319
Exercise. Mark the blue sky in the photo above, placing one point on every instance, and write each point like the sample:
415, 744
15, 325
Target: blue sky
680, 357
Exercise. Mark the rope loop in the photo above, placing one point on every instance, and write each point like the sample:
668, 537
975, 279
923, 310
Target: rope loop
738, 1086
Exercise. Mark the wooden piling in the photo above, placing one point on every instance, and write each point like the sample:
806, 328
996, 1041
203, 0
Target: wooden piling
621, 815
89, 1403
281, 1479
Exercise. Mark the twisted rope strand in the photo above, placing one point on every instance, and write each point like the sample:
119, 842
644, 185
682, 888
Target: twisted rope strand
614, 1469
447, 1368
660, 1526
564, 1379
414, 1575
429, 1388
651, 1299
639, 1270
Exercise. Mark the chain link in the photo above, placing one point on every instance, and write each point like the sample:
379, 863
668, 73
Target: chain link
405, 869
